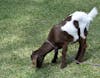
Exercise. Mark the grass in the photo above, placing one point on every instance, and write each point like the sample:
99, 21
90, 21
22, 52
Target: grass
24, 26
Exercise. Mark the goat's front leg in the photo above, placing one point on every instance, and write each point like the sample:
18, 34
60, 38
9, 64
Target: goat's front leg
64, 50
54, 60
81, 50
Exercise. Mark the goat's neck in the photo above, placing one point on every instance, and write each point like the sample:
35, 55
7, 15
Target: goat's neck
45, 49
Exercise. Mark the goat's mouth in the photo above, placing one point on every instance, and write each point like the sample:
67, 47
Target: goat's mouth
34, 62
37, 61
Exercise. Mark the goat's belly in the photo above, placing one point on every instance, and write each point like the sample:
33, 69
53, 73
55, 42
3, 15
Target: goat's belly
76, 37
71, 31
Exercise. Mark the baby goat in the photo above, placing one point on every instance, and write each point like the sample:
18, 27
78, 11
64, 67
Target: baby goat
73, 29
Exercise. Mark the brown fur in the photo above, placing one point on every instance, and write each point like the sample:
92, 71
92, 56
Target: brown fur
60, 39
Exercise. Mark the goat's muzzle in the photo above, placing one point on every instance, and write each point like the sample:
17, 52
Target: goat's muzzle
34, 60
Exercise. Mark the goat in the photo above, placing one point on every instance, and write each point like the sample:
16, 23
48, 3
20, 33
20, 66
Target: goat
73, 29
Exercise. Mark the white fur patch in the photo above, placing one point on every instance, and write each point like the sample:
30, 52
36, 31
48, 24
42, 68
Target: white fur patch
70, 29
83, 20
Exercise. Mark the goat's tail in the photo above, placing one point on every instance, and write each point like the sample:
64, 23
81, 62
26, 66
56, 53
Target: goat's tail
93, 13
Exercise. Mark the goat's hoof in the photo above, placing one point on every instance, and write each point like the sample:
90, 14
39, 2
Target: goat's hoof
54, 61
63, 66
78, 62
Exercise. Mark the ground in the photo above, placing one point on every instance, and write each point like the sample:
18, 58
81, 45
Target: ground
24, 26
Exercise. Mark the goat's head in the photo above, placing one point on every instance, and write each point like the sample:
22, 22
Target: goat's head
37, 59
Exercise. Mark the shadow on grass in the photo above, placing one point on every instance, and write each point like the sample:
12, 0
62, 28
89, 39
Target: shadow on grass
70, 59
46, 70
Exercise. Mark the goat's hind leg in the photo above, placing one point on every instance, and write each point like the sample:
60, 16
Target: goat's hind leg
81, 51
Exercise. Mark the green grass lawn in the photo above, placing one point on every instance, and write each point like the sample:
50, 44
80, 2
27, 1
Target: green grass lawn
24, 26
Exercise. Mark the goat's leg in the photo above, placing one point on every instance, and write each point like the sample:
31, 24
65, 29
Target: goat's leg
54, 60
81, 50
63, 64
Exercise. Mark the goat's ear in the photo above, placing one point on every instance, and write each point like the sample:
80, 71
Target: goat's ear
34, 52
32, 55
39, 61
